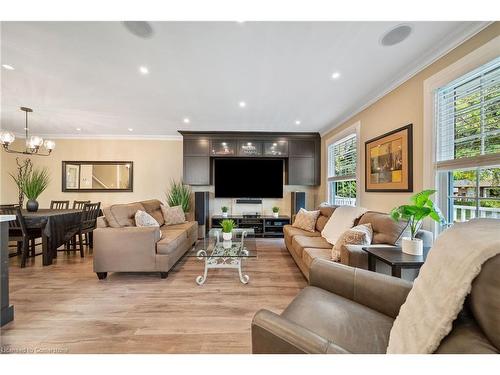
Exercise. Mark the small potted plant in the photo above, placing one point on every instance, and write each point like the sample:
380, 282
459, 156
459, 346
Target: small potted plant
224, 210
276, 211
227, 229
32, 185
422, 206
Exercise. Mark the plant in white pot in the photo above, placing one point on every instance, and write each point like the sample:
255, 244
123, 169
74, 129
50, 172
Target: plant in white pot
227, 229
224, 210
276, 211
422, 206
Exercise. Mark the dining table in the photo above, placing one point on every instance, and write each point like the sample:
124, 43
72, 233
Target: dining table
57, 227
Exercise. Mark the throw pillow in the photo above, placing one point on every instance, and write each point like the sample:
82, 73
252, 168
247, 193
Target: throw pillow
306, 220
173, 215
143, 219
359, 235
342, 219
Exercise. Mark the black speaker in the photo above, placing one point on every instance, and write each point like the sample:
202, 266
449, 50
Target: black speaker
298, 201
201, 214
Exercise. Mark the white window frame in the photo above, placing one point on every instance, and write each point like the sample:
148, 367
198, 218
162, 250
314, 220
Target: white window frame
461, 67
349, 131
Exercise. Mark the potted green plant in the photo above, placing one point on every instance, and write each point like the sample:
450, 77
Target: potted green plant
224, 210
276, 211
179, 195
32, 185
227, 229
422, 206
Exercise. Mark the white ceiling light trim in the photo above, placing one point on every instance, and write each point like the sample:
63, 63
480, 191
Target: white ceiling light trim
8, 67
441, 49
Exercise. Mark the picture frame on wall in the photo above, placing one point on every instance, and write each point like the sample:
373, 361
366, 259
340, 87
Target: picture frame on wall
389, 161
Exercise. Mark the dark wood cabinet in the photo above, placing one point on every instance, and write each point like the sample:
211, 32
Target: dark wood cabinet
300, 151
301, 171
196, 170
196, 147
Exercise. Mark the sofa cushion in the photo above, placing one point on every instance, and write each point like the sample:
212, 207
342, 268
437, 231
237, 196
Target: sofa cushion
385, 229
122, 215
189, 227
345, 323
143, 219
171, 240
302, 242
309, 254
306, 220
324, 214
291, 231
359, 235
153, 207
173, 215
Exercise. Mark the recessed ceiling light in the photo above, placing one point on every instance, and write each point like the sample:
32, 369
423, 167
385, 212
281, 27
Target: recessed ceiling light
143, 70
242, 104
8, 67
335, 75
186, 120
395, 35
130, 129
78, 129
297, 122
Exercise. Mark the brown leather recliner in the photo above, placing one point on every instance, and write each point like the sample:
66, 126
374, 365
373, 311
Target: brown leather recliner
351, 310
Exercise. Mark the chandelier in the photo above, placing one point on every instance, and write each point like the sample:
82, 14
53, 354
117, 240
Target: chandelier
33, 143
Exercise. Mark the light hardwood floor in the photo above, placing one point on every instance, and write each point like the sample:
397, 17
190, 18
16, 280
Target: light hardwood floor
64, 307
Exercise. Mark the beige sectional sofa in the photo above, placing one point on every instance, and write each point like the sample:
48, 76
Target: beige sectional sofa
120, 246
306, 246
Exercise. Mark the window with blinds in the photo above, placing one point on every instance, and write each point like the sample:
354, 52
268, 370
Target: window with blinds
342, 160
468, 115
468, 145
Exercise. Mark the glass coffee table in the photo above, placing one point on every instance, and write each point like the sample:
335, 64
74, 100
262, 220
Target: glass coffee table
217, 253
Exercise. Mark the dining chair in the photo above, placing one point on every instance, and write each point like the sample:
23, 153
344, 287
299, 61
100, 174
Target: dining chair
59, 205
78, 205
19, 232
88, 222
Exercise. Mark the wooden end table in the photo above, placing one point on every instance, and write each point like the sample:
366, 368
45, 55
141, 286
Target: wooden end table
395, 258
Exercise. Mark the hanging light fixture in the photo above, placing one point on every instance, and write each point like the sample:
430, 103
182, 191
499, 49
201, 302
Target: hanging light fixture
34, 143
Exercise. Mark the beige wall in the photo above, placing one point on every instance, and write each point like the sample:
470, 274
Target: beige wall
156, 162
402, 106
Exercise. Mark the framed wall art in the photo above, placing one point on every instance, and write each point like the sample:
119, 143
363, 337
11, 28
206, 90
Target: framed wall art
389, 161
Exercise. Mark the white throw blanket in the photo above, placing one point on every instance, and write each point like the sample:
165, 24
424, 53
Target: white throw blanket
445, 279
342, 219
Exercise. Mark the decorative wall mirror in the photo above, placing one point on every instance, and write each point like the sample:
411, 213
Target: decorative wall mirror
97, 176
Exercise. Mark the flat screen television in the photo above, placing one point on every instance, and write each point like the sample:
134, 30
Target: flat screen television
248, 178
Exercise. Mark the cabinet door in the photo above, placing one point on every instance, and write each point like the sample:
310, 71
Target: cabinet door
196, 147
276, 148
301, 148
196, 170
221, 147
301, 171
249, 148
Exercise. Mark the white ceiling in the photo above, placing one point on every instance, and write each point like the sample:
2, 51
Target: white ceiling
85, 74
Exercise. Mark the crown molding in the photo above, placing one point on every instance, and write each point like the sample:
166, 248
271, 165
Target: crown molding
116, 137
441, 49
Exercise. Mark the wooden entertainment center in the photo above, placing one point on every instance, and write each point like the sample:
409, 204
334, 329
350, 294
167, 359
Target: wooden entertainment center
264, 226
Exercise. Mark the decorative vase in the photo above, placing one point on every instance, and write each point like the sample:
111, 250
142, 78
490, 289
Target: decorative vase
32, 205
224, 214
227, 244
412, 246
276, 214
227, 236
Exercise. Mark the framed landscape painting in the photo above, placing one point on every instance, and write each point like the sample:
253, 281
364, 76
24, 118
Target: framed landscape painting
389, 162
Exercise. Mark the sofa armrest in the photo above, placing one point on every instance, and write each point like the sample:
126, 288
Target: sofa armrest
125, 249
379, 292
101, 222
273, 334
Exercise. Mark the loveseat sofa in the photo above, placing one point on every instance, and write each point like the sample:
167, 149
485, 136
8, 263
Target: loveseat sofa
306, 246
120, 246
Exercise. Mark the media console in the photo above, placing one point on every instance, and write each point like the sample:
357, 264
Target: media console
264, 226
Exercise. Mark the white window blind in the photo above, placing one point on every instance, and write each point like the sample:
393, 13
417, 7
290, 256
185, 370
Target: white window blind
342, 157
468, 118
